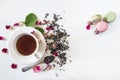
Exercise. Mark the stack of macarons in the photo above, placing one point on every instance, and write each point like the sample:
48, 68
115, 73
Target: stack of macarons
101, 22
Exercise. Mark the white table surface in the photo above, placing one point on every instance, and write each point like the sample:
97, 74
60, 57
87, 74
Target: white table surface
94, 57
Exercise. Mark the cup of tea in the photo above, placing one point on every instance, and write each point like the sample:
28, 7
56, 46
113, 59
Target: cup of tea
26, 44
23, 46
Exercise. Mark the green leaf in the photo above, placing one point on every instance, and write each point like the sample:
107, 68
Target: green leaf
30, 19
40, 29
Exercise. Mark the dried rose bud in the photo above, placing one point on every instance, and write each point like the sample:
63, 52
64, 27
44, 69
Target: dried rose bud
88, 27
2, 38
55, 53
36, 69
89, 23
51, 27
38, 23
5, 50
16, 24
13, 66
47, 28
8, 26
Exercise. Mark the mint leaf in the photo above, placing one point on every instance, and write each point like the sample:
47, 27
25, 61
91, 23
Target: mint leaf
40, 29
30, 19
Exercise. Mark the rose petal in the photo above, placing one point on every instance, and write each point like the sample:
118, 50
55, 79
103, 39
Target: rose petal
38, 23
55, 53
5, 50
13, 66
8, 26
2, 38
16, 24
51, 27
47, 28
36, 69
88, 27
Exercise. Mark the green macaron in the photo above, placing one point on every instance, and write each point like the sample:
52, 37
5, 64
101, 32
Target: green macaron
110, 17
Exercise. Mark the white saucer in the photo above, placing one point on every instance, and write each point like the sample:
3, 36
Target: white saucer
26, 60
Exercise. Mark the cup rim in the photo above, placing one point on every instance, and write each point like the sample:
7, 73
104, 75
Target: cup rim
18, 53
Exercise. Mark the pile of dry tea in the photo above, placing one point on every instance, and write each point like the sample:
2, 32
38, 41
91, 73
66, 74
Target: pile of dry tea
57, 41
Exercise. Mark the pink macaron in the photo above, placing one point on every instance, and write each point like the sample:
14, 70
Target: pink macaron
101, 26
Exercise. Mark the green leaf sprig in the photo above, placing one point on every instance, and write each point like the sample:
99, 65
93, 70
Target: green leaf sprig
30, 21
40, 29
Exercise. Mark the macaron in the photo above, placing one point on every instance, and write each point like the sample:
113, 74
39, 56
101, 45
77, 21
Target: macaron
101, 27
110, 17
96, 18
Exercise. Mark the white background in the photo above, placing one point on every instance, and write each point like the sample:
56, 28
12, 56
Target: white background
94, 57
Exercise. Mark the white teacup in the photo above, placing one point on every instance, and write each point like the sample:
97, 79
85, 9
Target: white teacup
26, 59
21, 39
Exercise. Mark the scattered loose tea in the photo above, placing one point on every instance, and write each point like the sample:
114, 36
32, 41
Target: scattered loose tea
53, 65
56, 74
62, 69
62, 55
56, 40
70, 60
46, 15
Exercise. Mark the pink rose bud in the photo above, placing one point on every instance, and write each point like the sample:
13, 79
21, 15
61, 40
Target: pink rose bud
13, 66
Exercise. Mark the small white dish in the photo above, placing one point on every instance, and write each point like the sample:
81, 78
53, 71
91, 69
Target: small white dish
26, 59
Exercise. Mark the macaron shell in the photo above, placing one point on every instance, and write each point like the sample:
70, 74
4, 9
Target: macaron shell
101, 26
96, 18
110, 16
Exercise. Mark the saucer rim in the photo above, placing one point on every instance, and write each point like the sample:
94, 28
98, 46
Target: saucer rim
18, 60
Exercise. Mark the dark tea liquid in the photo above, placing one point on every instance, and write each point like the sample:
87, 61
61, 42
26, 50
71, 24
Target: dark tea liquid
26, 45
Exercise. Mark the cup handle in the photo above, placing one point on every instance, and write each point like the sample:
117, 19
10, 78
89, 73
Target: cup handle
38, 55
